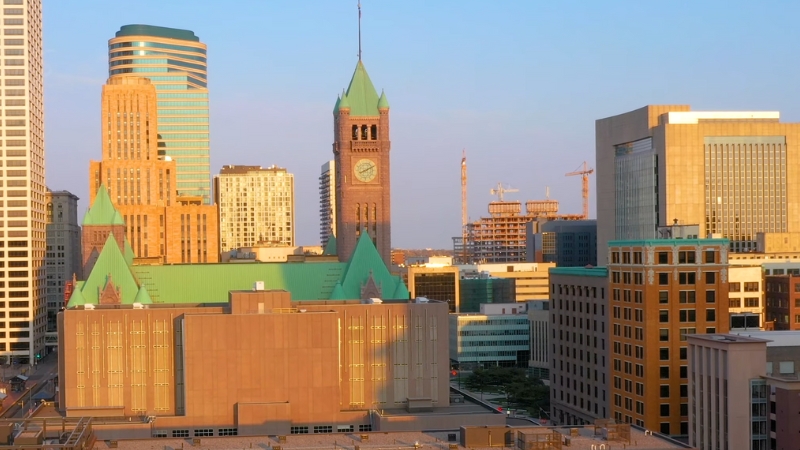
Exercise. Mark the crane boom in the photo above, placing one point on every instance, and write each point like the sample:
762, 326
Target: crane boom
463, 189
500, 190
585, 178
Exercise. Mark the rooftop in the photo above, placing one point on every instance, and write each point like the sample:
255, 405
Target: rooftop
783, 338
731, 338
601, 272
667, 242
694, 117
154, 31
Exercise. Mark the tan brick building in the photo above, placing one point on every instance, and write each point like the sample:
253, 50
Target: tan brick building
662, 290
734, 173
142, 185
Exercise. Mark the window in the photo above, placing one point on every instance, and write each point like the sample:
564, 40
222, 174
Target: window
686, 296
711, 330
709, 256
684, 390
711, 277
663, 372
751, 286
686, 257
797, 287
204, 432
711, 296
663, 296
298, 430
682, 352
664, 410
735, 287
664, 391
687, 315
228, 432
687, 277
663, 334
663, 354
711, 315
663, 279
323, 429
686, 331
663, 315
367, 427
751, 302
665, 427
683, 371
735, 303
180, 433
663, 258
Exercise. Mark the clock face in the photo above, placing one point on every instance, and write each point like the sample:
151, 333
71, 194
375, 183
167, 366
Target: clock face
365, 170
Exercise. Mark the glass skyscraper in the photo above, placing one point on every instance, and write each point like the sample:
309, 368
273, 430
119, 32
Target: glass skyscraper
175, 61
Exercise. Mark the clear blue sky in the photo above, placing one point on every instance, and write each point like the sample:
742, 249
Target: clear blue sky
519, 84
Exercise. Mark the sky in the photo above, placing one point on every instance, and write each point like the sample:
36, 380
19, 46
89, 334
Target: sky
517, 84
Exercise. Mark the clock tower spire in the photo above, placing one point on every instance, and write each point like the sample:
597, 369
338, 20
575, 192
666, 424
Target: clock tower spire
361, 150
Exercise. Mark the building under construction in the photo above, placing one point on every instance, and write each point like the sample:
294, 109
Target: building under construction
501, 237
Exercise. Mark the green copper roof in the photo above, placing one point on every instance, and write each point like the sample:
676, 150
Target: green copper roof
401, 292
77, 296
383, 102
361, 94
128, 253
601, 272
342, 103
102, 211
142, 297
110, 266
338, 292
154, 31
336, 105
330, 246
210, 283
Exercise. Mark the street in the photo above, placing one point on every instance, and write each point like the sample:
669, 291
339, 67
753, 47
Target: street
40, 377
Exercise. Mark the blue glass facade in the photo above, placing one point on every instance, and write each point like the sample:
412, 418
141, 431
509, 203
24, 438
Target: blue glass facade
175, 61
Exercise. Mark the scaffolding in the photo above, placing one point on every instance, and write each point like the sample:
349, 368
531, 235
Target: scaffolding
501, 237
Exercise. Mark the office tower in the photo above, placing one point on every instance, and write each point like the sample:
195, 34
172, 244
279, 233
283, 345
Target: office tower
63, 252
160, 225
662, 290
567, 243
255, 206
579, 363
175, 61
435, 283
361, 153
732, 173
539, 336
473, 343
22, 232
782, 300
327, 202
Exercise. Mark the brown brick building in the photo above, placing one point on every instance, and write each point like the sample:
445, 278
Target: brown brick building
143, 185
361, 154
661, 291
782, 301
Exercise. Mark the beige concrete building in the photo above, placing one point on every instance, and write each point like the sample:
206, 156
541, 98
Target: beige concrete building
63, 254
435, 283
23, 309
175, 61
255, 206
724, 383
733, 173
160, 225
745, 293
263, 365
539, 338
531, 278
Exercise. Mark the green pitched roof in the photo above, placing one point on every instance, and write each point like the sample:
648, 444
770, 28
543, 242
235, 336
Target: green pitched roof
128, 253
142, 297
338, 292
401, 292
342, 102
336, 105
102, 211
77, 296
365, 259
383, 102
361, 94
110, 265
330, 246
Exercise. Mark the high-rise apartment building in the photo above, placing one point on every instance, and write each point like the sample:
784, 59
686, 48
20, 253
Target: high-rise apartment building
327, 202
63, 251
160, 225
22, 231
662, 290
175, 61
733, 173
782, 301
361, 153
255, 206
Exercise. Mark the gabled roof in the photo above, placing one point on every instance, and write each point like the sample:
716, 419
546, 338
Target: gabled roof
77, 296
338, 293
330, 246
128, 253
401, 292
364, 260
102, 211
361, 94
112, 264
142, 297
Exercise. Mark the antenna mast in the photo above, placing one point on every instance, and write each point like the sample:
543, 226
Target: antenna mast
464, 189
359, 30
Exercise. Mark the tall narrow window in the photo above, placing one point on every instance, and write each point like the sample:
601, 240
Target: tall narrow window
355, 132
364, 132
374, 132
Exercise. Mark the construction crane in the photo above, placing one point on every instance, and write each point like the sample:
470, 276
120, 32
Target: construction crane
585, 176
464, 190
500, 190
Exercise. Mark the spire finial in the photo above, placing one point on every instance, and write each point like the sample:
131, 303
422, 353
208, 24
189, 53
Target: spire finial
359, 30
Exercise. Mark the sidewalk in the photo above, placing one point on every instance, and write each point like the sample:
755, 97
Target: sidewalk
488, 398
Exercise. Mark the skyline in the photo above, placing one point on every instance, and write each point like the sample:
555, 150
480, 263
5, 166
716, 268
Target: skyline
443, 84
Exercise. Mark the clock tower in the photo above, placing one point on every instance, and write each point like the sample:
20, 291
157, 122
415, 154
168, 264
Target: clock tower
361, 151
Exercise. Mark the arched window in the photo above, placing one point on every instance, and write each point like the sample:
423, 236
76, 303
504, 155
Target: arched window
355, 132
358, 219
364, 130
374, 132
